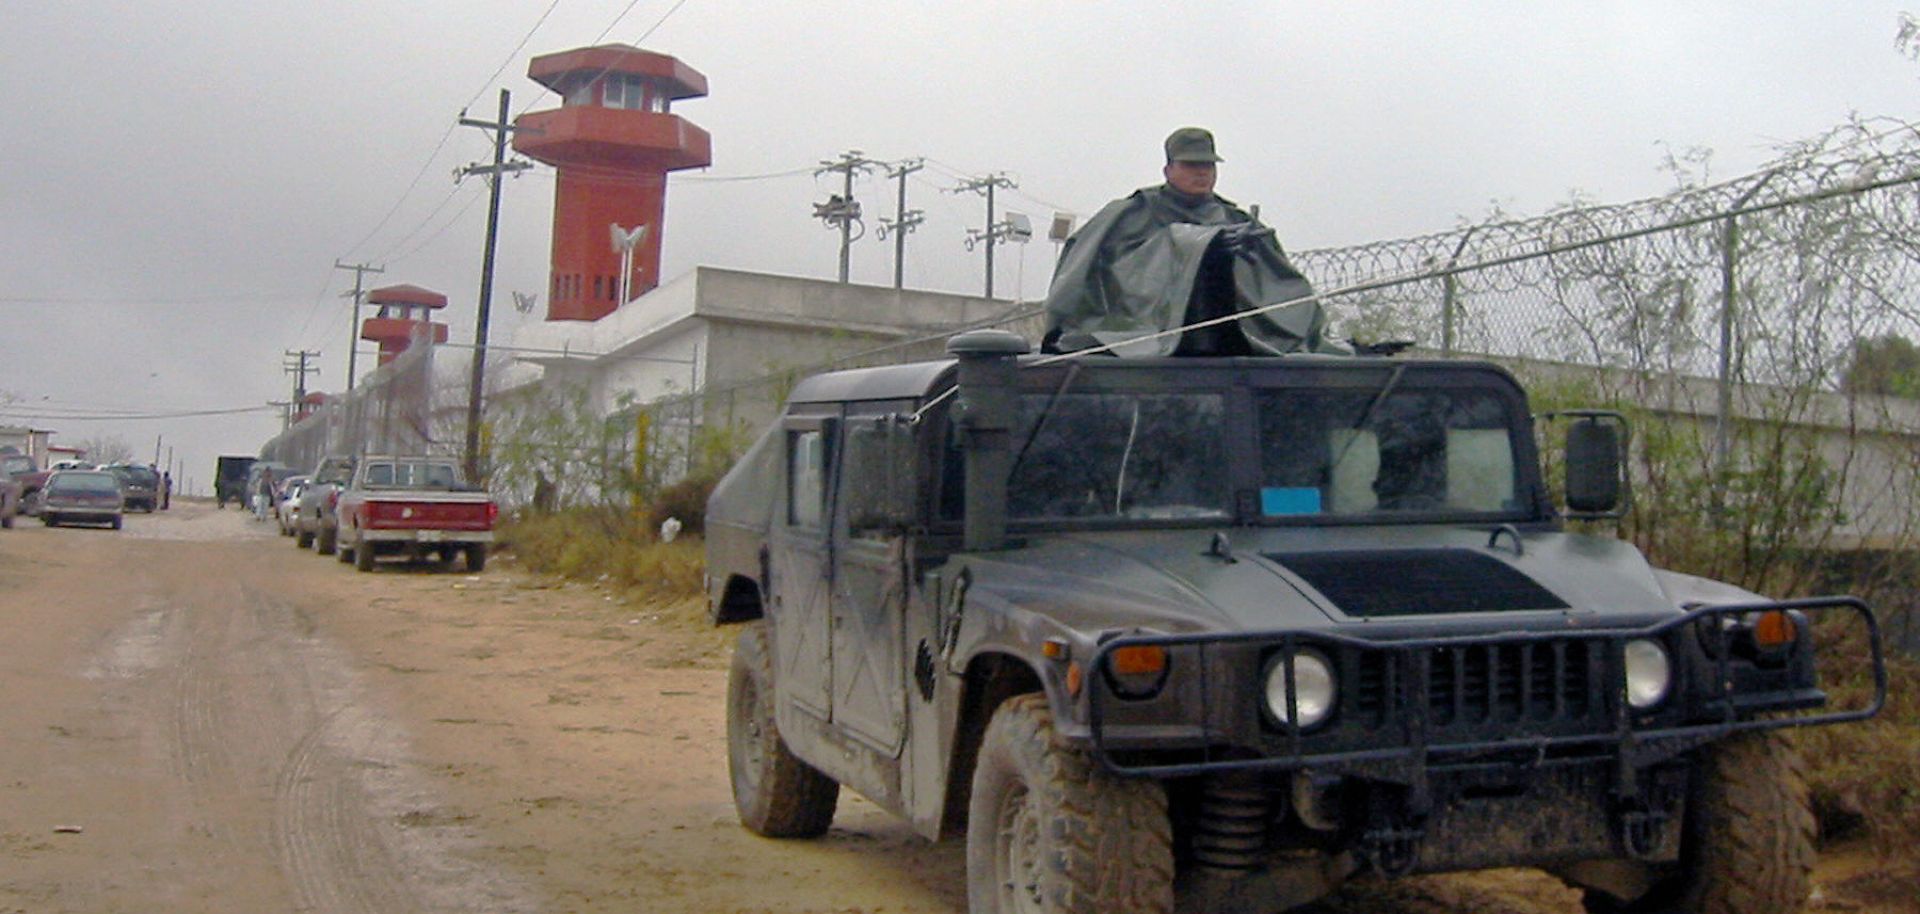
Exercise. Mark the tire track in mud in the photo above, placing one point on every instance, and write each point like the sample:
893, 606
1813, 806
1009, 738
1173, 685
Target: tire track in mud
279, 761
331, 851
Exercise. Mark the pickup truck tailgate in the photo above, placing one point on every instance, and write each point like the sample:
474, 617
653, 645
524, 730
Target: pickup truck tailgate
451, 511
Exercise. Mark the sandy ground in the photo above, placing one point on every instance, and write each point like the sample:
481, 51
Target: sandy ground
201, 718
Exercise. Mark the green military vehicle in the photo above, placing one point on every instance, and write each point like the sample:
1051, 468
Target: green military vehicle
1229, 631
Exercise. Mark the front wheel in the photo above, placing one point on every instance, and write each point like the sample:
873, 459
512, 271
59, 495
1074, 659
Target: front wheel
1747, 843
477, 558
776, 793
1050, 833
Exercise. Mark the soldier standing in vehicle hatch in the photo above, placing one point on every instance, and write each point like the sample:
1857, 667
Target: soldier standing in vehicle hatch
1124, 274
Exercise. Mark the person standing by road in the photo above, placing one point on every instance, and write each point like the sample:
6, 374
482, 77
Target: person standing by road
263, 494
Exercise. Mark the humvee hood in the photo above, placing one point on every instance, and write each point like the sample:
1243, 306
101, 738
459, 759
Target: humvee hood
1271, 579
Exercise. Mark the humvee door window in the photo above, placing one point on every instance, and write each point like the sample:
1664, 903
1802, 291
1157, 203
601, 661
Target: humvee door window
806, 478
1445, 450
1096, 455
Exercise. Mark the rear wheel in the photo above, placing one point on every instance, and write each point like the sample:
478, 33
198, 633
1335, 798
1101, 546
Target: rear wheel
362, 556
301, 538
1747, 844
776, 793
1048, 832
477, 557
116, 523
327, 541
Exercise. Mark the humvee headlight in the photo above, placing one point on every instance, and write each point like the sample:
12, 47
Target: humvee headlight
1313, 688
1649, 673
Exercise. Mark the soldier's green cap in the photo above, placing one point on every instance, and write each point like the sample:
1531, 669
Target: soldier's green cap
1191, 144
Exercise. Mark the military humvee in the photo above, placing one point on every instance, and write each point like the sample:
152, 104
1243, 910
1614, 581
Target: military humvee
1234, 630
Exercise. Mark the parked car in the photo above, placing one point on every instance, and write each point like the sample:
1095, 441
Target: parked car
28, 476
289, 505
9, 500
316, 526
139, 484
82, 497
414, 507
230, 480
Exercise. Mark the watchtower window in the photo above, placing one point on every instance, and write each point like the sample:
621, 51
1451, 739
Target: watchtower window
626, 90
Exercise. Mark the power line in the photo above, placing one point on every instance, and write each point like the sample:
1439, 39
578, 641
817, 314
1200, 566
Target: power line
510, 56
442, 144
27, 413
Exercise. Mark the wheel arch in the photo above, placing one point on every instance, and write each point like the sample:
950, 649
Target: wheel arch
739, 601
991, 678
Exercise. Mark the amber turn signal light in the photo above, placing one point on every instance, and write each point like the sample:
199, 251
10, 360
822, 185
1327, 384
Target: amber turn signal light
1138, 660
1774, 630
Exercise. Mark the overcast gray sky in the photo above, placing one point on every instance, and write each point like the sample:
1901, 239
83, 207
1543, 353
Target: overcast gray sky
177, 179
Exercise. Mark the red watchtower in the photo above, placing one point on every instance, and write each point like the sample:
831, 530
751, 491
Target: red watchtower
613, 142
402, 308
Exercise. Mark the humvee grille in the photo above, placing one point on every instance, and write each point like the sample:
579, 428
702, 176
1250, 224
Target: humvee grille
1472, 685
1407, 582
1495, 683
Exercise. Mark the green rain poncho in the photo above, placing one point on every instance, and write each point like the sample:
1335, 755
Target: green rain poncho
1160, 259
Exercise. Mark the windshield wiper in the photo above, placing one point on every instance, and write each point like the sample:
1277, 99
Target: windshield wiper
1073, 371
1379, 396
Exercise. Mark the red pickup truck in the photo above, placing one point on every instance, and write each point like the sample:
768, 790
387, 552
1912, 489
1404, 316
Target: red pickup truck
414, 507
27, 475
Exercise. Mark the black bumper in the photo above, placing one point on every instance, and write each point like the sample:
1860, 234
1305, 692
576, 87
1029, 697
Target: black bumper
1409, 706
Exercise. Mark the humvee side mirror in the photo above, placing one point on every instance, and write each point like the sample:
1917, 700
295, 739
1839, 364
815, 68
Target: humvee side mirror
878, 473
1595, 464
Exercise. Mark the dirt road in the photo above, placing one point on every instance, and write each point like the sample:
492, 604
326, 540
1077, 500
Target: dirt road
201, 718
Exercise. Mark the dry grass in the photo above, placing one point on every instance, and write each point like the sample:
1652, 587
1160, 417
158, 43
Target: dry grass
609, 547
1864, 774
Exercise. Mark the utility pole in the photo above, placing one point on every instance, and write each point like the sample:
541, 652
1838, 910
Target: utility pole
842, 210
986, 185
500, 168
295, 363
360, 270
904, 220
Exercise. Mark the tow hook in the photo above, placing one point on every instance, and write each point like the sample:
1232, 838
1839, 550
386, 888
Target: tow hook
1643, 820
1393, 847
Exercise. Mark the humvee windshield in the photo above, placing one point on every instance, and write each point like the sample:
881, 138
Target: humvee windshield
1340, 452
1136, 455
1321, 452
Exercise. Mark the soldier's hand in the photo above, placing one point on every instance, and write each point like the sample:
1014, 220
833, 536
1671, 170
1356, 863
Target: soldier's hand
1244, 236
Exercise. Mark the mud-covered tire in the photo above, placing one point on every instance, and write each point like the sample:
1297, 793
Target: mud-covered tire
1747, 844
776, 794
476, 558
363, 557
326, 541
1048, 831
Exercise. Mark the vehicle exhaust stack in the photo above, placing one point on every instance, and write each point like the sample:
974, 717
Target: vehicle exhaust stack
984, 417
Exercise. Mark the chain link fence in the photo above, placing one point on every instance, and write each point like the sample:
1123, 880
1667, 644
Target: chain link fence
390, 412
1727, 316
